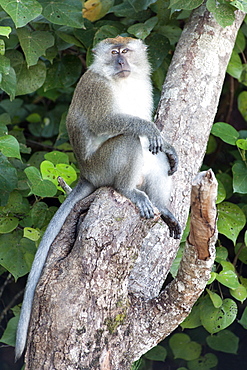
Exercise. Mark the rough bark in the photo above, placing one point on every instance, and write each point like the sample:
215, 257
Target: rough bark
87, 319
98, 304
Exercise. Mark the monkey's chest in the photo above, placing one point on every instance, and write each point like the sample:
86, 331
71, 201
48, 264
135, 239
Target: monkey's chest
133, 98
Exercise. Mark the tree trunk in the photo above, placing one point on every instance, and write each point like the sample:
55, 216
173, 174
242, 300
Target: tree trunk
98, 304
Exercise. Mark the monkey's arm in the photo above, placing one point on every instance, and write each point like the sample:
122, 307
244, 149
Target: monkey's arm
124, 124
117, 124
102, 117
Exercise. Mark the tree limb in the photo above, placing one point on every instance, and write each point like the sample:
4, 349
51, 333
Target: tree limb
98, 304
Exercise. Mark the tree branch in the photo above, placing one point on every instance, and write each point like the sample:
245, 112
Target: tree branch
102, 292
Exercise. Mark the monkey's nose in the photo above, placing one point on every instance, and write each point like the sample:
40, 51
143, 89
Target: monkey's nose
121, 61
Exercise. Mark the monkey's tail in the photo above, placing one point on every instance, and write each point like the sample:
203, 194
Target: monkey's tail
81, 190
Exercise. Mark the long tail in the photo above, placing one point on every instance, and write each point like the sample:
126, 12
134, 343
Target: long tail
82, 189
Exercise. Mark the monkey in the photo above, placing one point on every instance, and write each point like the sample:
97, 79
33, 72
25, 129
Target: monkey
116, 144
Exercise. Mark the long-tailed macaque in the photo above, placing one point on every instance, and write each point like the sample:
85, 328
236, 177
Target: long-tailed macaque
116, 144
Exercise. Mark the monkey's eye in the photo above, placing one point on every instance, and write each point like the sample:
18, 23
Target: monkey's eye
124, 51
114, 51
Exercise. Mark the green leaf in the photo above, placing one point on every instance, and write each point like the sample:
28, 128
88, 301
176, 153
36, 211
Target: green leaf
215, 298
243, 320
240, 293
228, 278
8, 224
193, 320
105, 32
57, 157
224, 341
8, 83
226, 132
4, 121
235, 66
68, 36
157, 353
40, 187
4, 64
243, 77
28, 79
5, 31
34, 44
242, 104
211, 145
38, 214
212, 277
240, 42
142, 30
67, 172
206, 362
138, 365
34, 118
63, 73
21, 11
2, 47
139, 30
231, 220
8, 179
31, 233
223, 12
242, 256
64, 12
185, 4
176, 262
16, 253
240, 4
159, 47
216, 319
242, 144
226, 180
171, 31
85, 36
51, 172
9, 146
9, 334
221, 195
141, 5
239, 170
183, 347
227, 266
16, 204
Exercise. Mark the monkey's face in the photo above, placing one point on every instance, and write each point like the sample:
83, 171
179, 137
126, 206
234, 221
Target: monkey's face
119, 61
120, 57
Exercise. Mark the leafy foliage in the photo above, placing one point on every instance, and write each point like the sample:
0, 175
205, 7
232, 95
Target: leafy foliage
44, 48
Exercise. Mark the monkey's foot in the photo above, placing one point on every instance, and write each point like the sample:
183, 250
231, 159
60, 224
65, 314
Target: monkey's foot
172, 223
146, 208
173, 161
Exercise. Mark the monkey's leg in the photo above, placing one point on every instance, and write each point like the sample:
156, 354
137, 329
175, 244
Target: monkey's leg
130, 174
158, 185
119, 163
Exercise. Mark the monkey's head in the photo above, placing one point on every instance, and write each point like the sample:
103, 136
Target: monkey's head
121, 57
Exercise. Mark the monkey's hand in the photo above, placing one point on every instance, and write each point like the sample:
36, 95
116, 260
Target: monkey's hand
171, 156
155, 144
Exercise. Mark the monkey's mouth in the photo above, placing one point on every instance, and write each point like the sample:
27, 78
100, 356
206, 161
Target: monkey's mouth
123, 73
